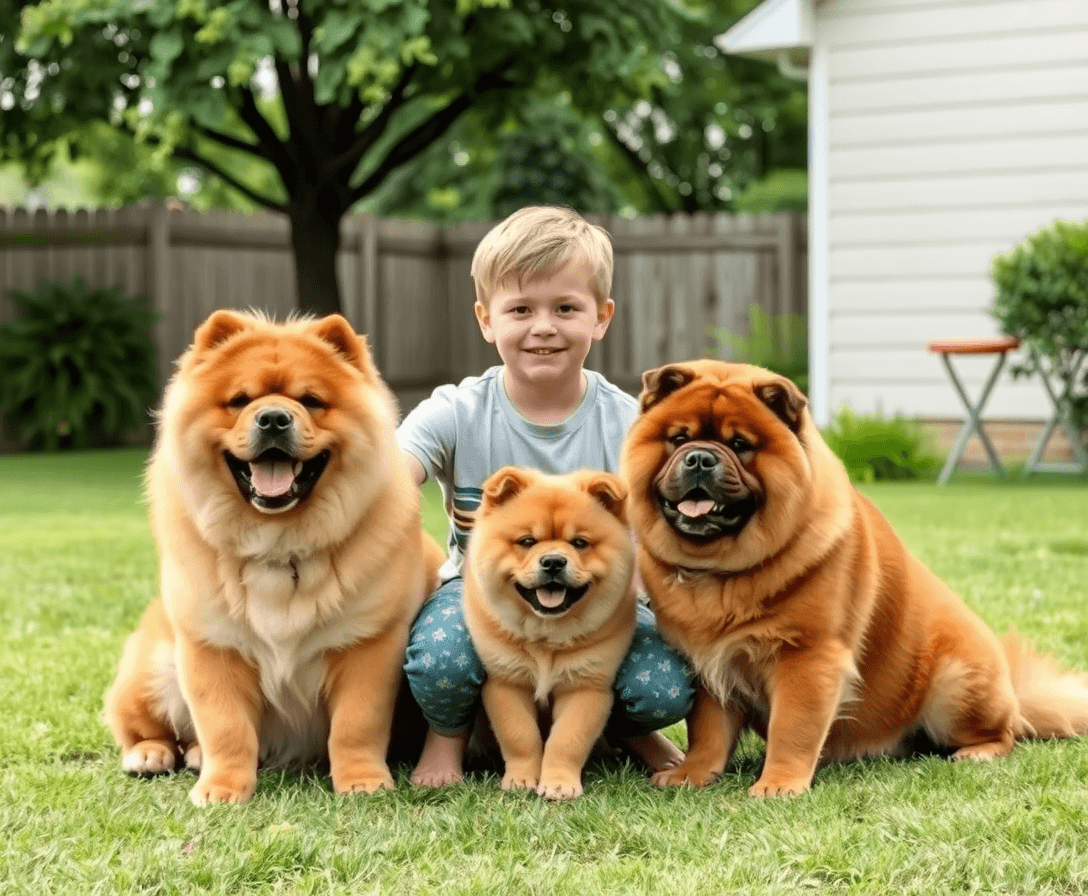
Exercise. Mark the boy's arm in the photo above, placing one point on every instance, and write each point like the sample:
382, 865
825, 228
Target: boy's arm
427, 435
415, 468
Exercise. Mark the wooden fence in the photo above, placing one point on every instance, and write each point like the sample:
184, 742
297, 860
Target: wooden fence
407, 284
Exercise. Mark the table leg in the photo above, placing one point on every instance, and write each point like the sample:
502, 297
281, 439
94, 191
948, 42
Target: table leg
1059, 417
973, 423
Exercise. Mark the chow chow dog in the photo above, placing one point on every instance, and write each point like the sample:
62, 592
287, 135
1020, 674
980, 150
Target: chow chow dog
292, 563
549, 606
804, 613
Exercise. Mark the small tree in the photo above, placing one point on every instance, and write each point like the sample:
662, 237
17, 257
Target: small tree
1042, 297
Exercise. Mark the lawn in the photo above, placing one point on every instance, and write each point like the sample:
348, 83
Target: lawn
77, 565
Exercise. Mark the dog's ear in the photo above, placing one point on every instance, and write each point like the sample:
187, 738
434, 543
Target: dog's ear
785, 399
337, 332
505, 484
610, 492
218, 328
661, 382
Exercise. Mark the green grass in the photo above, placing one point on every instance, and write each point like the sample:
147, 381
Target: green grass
77, 565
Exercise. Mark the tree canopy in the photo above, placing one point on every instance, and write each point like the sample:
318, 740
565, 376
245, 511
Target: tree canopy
717, 133
309, 107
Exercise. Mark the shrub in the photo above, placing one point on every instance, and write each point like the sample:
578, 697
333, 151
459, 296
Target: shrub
77, 365
1042, 297
783, 190
778, 342
872, 447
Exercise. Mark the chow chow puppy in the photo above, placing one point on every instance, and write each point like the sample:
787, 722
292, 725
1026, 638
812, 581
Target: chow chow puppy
549, 606
292, 563
805, 615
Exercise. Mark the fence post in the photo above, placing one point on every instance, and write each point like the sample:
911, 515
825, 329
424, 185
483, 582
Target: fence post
787, 263
158, 281
366, 281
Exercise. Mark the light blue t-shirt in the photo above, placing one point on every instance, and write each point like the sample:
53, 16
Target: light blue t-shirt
464, 433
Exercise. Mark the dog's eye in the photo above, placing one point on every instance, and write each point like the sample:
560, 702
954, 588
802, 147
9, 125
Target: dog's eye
740, 445
527, 542
579, 543
312, 402
677, 438
239, 401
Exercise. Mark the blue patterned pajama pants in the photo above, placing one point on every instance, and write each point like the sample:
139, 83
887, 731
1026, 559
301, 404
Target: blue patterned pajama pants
654, 687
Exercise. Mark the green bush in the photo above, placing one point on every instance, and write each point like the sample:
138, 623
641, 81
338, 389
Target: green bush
778, 342
77, 365
872, 447
1042, 297
783, 190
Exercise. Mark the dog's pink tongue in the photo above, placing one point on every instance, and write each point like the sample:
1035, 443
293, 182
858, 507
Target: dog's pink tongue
272, 478
550, 599
695, 508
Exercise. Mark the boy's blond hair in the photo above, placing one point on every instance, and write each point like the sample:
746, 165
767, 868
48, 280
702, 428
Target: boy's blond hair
534, 242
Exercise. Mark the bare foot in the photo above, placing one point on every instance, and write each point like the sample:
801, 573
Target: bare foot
440, 762
655, 750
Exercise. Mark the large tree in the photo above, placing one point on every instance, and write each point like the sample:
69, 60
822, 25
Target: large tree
712, 135
716, 126
359, 87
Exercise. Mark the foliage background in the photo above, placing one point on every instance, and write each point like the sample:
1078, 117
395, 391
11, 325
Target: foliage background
706, 132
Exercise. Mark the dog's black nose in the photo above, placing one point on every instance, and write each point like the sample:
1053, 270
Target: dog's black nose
700, 459
273, 420
553, 563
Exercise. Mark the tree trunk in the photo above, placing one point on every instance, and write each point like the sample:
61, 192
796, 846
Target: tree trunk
315, 241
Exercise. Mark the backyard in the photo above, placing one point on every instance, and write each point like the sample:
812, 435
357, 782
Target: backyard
77, 565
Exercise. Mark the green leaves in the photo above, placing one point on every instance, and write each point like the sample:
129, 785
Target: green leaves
77, 365
778, 342
333, 99
875, 448
166, 46
1042, 288
1042, 297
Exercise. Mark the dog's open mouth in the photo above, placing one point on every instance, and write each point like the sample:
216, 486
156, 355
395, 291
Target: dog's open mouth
552, 598
274, 481
698, 515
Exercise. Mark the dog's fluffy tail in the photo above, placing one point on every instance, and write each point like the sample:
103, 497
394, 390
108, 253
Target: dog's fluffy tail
1053, 702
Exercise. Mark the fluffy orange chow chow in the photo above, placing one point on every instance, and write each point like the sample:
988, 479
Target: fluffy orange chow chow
805, 615
292, 563
550, 609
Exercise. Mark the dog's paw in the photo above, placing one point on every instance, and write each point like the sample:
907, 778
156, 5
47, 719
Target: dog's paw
193, 757
365, 783
519, 781
149, 757
222, 789
559, 788
983, 752
686, 774
360, 773
766, 787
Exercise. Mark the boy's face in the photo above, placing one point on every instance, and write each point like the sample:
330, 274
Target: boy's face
544, 328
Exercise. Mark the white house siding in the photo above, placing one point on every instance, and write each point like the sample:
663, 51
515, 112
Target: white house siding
955, 128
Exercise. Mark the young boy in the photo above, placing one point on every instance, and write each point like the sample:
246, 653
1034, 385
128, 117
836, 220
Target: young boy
543, 280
